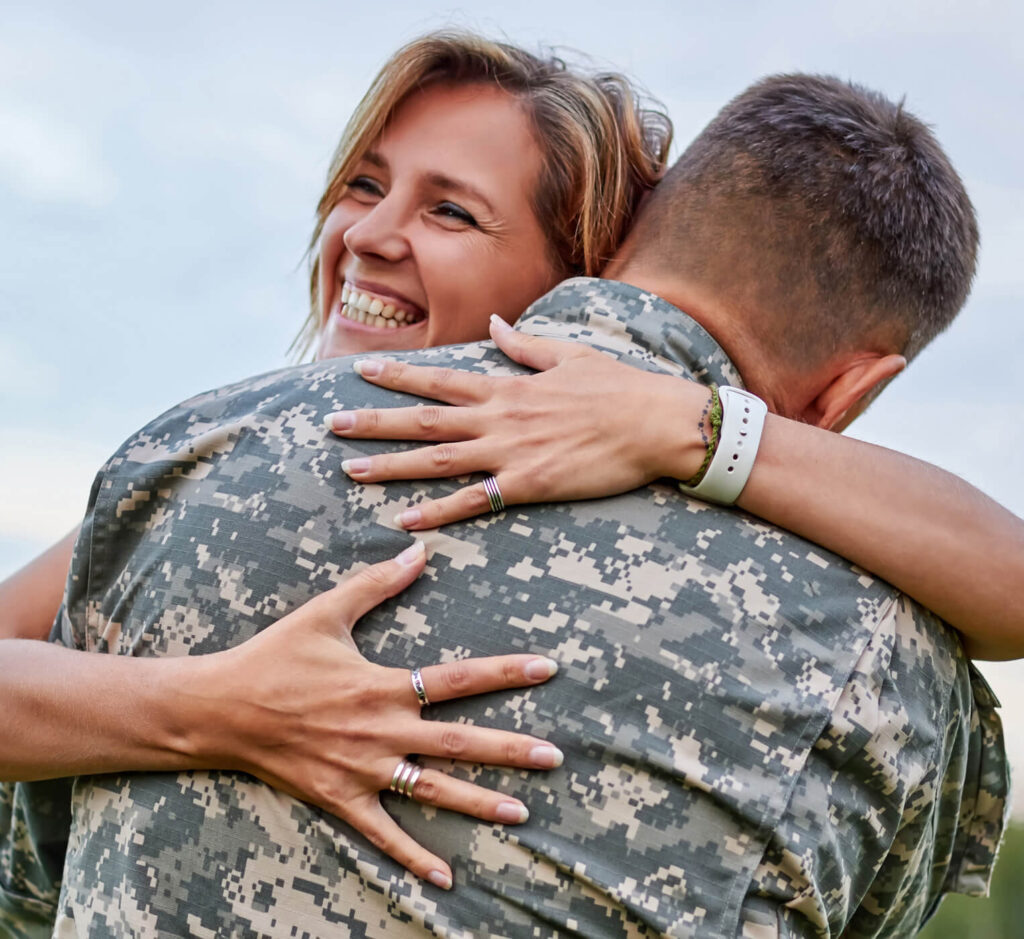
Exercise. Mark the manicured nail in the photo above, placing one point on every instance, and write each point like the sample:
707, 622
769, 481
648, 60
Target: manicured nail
369, 368
355, 467
547, 756
411, 554
440, 879
408, 517
498, 323
539, 669
342, 420
513, 813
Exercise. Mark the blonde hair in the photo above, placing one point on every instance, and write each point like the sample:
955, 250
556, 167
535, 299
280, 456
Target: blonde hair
603, 149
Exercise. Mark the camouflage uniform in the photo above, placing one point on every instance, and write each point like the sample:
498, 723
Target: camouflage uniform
761, 740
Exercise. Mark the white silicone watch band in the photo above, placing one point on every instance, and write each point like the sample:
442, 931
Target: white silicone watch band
742, 423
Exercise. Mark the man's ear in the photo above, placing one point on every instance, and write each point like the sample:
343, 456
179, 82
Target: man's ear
848, 392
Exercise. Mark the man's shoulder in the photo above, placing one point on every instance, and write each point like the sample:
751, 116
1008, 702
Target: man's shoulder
289, 402
308, 378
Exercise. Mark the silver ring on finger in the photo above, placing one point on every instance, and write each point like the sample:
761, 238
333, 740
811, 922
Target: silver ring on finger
493, 494
405, 777
418, 687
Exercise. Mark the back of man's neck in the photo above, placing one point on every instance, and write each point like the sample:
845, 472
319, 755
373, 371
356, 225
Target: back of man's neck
721, 324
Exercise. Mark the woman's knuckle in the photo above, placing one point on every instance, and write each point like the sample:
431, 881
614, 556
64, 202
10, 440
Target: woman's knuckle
440, 378
373, 576
545, 475
442, 456
453, 741
427, 791
477, 499
458, 676
515, 751
376, 837
428, 416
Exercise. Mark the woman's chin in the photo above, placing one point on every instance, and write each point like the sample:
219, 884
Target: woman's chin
342, 336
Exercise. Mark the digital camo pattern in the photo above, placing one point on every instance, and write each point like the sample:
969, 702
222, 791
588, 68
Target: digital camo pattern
760, 740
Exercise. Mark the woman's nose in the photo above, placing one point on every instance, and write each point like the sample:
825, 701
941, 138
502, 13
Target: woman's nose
379, 233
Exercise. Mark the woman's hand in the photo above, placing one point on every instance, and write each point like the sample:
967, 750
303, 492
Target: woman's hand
306, 713
585, 426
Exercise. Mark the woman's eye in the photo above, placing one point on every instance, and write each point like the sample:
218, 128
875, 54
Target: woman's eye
456, 212
367, 185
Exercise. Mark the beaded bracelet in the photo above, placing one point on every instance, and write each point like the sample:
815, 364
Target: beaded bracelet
714, 405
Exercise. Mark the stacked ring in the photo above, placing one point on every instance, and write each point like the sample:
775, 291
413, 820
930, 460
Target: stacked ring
417, 686
493, 494
405, 777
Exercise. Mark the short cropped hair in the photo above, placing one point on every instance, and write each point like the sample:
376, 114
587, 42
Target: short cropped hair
828, 212
604, 145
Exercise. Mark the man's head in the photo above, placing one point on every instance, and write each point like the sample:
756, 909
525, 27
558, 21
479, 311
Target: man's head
819, 232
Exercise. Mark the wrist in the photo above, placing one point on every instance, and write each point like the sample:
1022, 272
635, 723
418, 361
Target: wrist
195, 709
684, 426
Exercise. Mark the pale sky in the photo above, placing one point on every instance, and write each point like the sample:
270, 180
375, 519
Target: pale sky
159, 168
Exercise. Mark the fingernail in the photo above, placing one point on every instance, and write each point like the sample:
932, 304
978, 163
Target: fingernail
368, 368
513, 813
411, 554
408, 517
440, 879
539, 669
546, 756
498, 322
342, 420
355, 467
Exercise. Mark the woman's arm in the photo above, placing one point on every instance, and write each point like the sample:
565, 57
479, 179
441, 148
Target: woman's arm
30, 598
926, 531
589, 426
296, 706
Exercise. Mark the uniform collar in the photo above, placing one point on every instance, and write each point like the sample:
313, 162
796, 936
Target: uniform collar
631, 324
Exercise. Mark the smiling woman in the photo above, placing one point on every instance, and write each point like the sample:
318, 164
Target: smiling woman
436, 228
472, 177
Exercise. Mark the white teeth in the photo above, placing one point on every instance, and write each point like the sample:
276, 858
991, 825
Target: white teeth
373, 311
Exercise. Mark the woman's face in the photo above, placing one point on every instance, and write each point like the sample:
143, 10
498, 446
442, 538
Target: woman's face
436, 230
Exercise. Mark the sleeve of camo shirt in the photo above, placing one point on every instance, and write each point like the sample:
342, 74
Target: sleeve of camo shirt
903, 797
35, 817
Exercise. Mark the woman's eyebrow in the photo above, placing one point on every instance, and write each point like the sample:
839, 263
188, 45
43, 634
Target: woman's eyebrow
458, 186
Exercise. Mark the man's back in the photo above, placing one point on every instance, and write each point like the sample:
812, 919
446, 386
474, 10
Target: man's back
756, 735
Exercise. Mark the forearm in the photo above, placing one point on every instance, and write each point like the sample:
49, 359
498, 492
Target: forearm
927, 532
68, 712
29, 598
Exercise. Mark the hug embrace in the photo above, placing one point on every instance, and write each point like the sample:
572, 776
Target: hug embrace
720, 651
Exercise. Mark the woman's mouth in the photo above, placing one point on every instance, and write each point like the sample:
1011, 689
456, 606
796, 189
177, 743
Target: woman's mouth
365, 307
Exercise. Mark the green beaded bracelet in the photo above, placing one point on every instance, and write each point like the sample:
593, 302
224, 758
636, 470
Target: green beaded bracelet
715, 405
